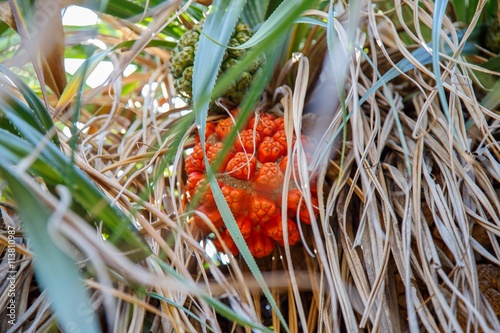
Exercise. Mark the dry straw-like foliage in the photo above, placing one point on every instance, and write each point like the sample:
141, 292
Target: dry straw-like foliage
406, 239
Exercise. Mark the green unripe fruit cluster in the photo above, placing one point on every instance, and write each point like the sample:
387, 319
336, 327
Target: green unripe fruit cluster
182, 62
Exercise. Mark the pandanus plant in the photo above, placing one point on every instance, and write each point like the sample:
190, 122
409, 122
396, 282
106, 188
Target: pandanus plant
266, 165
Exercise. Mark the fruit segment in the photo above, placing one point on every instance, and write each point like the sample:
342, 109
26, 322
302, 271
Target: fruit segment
262, 210
270, 150
269, 177
293, 201
213, 153
212, 214
245, 224
260, 245
304, 215
266, 124
247, 142
280, 136
224, 127
236, 199
209, 130
242, 166
274, 229
227, 241
192, 182
280, 123
197, 157
206, 196
297, 205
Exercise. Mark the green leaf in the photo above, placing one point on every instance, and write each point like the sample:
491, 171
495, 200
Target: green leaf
55, 270
219, 307
278, 28
3, 27
465, 10
6, 98
492, 100
437, 22
486, 79
122, 232
251, 97
14, 149
338, 76
311, 20
219, 25
43, 117
255, 11
78, 78
124, 9
460, 10
471, 9
273, 4
279, 18
180, 307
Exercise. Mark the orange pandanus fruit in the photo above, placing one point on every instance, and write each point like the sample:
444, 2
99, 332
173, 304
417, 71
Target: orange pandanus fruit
250, 175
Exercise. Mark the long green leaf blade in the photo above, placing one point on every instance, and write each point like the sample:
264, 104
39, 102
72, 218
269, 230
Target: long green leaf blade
220, 307
437, 22
14, 149
278, 18
209, 55
55, 270
35, 104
